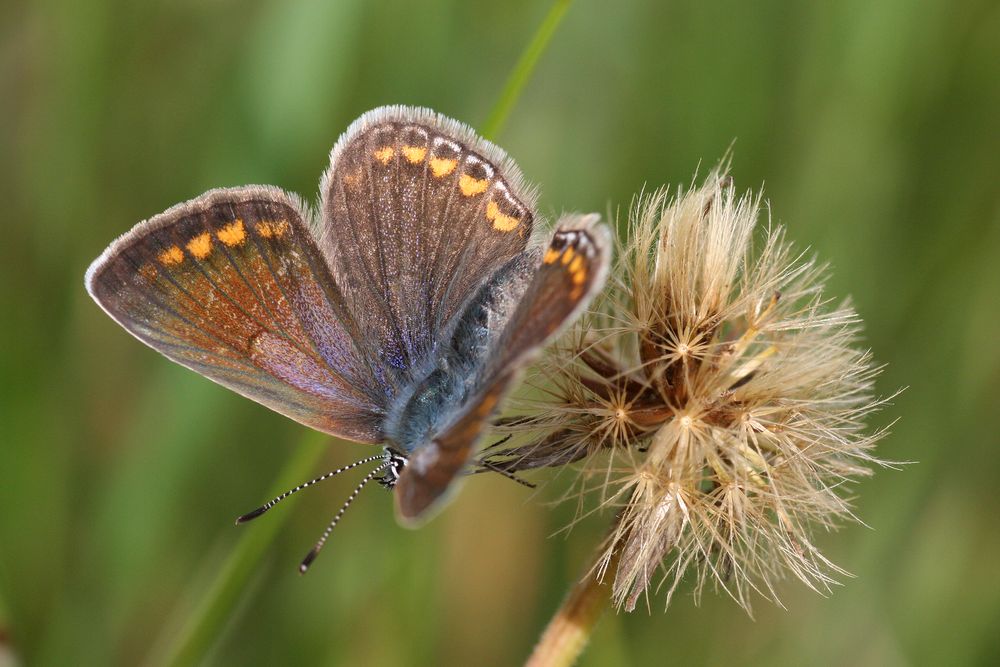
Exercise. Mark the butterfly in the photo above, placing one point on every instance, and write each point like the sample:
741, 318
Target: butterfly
399, 314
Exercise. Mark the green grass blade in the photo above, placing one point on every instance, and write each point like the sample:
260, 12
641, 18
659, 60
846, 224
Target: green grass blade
523, 69
210, 616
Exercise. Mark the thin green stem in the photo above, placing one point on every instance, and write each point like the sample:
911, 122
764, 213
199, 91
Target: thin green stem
523, 69
205, 623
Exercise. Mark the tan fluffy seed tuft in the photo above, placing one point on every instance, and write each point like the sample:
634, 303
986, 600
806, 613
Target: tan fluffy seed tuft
714, 397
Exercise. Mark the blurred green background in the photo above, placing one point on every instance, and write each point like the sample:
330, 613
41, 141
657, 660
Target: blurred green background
875, 127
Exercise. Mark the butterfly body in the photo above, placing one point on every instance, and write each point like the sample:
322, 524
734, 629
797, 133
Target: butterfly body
455, 372
399, 317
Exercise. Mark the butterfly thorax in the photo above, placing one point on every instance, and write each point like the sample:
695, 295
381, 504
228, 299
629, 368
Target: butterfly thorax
452, 374
424, 408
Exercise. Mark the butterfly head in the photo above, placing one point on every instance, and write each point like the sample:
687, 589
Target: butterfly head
393, 464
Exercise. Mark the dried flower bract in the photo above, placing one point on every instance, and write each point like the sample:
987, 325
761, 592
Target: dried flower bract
715, 397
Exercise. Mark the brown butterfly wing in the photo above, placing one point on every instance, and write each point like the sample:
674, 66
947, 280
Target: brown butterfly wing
232, 285
417, 213
572, 270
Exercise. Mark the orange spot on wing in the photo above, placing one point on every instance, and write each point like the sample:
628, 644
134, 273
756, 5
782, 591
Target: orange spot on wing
200, 246
501, 222
568, 255
441, 167
352, 178
171, 256
578, 274
268, 229
472, 186
385, 154
551, 255
414, 154
232, 234
149, 272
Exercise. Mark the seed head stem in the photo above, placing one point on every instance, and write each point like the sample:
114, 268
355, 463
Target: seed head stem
570, 628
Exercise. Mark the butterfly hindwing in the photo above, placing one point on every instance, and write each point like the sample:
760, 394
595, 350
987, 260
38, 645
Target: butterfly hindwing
571, 270
417, 212
232, 285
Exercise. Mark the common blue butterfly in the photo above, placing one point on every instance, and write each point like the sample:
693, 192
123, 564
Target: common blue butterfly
398, 314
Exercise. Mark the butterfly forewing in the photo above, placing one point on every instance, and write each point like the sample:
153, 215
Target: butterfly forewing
418, 213
232, 286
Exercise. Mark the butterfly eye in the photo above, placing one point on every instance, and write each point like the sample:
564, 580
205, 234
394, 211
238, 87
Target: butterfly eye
396, 464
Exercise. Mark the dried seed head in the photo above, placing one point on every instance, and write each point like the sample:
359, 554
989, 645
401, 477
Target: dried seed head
714, 396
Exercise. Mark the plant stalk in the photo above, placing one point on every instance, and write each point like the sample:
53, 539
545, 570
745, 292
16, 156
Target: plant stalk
569, 630
523, 69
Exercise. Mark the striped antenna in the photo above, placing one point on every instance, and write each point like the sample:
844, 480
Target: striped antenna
271, 503
311, 556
